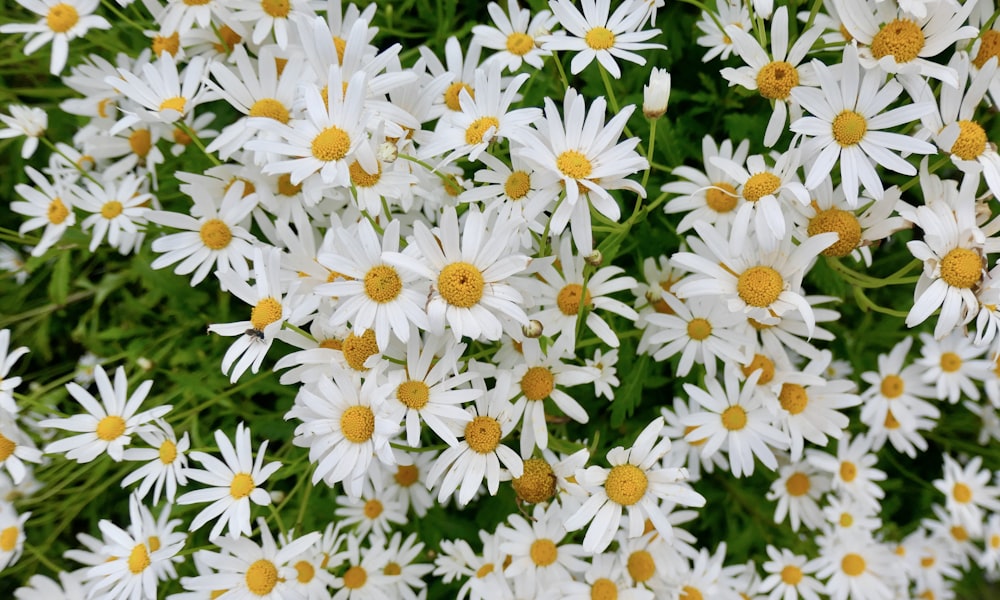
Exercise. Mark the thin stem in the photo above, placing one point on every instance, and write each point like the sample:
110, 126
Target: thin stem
197, 142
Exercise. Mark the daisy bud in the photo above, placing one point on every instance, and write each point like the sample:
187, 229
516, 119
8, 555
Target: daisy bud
594, 259
388, 152
533, 329
277, 496
144, 363
656, 95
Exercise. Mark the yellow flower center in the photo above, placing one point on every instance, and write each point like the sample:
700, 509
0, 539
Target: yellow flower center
181, 137
271, 109
841, 222
176, 103
451, 95
791, 575
331, 144
340, 44
600, 38
228, 40
241, 486
261, 577
8, 538
392, 569
690, 593
406, 475
641, 566
989, 46
414, 394
62, 17
138, 559
568, 299
848, 471
57, 211
961, 493
357, 424
169, 44
688, 429
846, 520
721, 200
111, 209
760, 185
960, 533
518, 185
537, 484
373, 508
362, 178
286, 187
971, 140
154, 543
215, 234
798, 484
698, 329
927, 562
849, 128
475, 132
304, 571
382, 284
852, 564
762, 363
950, 362
110, 428
141, 142
168, 452
604, 589
461, 284
357, 349
544, 552
900, 38
537, 383
574, 164
264, 313
961, 268
196, 2
7, 447
734, 418
626, 484
759, 286
483, 434
355, 577
892, 386
776, 79
793, 398
995, 541
278, 9
890, 421
519, 43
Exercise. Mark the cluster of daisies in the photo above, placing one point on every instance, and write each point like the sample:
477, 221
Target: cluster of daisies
428, 250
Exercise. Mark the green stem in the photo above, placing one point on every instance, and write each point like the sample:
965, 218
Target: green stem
561, 70
48, 143
197, 142
120, 15
812, 14
649, 153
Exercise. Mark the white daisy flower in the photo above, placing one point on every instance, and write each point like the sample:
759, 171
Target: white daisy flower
369, 514
711, 195
405, 575
166, 460
271, 16
40, 587
604, 578
50, 206
847, 124
233, 484
798, 490
607, 378
461, 70
954, 365
482, 571
539, 559
713, 26
108, 424
16, 448
790, 576
118, 211
856, 568
12, 528
686, 453
408, 482
635, 481
853, 469
515, 35
8, 357
969, 497
63, 21
598, 33
161, 94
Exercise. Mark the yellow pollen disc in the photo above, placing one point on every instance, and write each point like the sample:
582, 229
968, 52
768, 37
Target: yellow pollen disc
793, 398
791, 575
900, 38
475, 132
154, 543
760, 185
759, 286
600, 38
138, 559
574, 165
848, 471
110, 428
229, 39
757, 324
690, 593
382, 284
241, 486
357, 349
8, 538
264, 313
849, 128
721, 200
734, 418
7, 447
961, 493
196, 2
798, 484
518, 185
57, 211
340, 44
271, 109
169, 44
482, 434
484, 570
537, 383
989, 46
141, 142
373, 508
304, 571
362, 178
519, 43
841, 222
451, 95
971, 142
688, 429
332, 344
168, 452
355, 577
626, 484
331, 144
537, 484
111, 209
892, 386
950, 362
604, 589
846, 34
414, 394
215, 234
927, 562
641, 566
699, 329
286, 187
890, 421
959, 533
182, 138
278, 9
406, 475
568, 299
776, 79
62, 17
764, 364
544, 552
853, 564
176, 103
961, 268
216, 594
461, 284
995, 541
261, 577
846, 520
357, 424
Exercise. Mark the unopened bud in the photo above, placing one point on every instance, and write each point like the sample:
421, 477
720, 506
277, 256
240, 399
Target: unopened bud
594, 259
656, 95
144, 363
532, 329
277, 496
388, 152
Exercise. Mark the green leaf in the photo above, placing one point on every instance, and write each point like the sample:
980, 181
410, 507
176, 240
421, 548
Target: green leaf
59, 283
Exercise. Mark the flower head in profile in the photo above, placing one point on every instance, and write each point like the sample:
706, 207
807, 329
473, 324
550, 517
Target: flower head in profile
27, 121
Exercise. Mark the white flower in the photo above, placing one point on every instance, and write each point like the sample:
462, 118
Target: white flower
26, 121
515, 36
161, 94
954, 365
12, 526
8, 357
118, 211
62, 22
798, 490
790, 576
656, 95
969, 497
853, 469
267, 16
15, 447
711, 195
539, 559
165, 459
